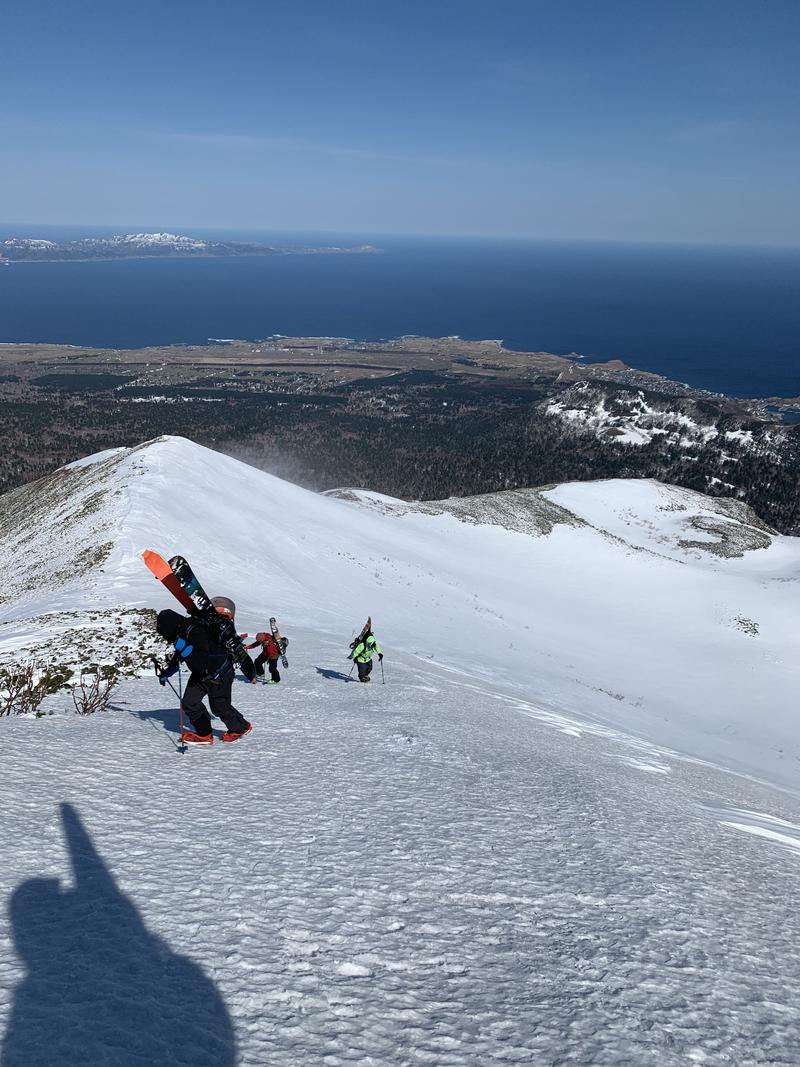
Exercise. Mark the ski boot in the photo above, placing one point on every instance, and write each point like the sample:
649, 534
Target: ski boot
234, 735
188, 737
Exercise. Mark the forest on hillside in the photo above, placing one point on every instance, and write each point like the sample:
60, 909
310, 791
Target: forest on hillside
420, 435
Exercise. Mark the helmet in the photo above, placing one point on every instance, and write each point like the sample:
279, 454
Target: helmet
224, 605
168, 624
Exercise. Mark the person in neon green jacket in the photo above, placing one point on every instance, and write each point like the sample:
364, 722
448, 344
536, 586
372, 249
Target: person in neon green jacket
363, 653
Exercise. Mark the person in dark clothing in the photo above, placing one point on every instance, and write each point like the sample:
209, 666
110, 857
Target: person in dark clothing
212, 674
269, 654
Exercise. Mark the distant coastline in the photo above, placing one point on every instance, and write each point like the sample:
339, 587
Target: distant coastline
729, 324
152, 246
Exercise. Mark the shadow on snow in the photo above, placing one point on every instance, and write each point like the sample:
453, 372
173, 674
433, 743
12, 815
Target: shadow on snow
168, 717
100, 988
335, 675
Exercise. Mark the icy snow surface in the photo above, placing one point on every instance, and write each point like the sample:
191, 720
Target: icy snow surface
565, 830
409, 873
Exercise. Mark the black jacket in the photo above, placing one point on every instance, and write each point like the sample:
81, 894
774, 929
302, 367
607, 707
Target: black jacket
195, 646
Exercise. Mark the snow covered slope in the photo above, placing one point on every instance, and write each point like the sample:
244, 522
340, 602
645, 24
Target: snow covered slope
629, 603
513, 851
404, 875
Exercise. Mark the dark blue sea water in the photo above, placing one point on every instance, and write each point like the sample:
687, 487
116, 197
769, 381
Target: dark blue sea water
718, 318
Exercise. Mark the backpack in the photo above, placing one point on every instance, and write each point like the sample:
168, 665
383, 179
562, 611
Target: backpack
202, 652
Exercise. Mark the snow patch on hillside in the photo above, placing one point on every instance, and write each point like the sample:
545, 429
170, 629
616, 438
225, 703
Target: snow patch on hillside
667, 520
629, 419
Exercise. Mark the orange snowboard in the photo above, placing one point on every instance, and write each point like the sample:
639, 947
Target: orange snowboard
162, 570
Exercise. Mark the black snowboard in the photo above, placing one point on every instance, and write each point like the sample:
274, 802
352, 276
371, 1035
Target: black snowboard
357, 640
222, 626
281, 642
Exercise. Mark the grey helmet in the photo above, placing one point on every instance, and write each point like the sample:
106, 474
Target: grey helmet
224, 605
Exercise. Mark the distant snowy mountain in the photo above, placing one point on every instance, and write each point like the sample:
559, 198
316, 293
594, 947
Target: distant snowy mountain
151, 240
641, 605
121, 246
118, 245
25, 243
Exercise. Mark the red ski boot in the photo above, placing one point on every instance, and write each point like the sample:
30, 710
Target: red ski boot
189, 738
234, 735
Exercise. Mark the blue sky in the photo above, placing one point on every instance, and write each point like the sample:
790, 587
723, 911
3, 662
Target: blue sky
562, 119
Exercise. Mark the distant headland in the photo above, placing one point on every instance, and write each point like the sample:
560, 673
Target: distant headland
146, 245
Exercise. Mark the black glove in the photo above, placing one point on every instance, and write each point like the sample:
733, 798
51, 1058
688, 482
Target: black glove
380, 656
159, 670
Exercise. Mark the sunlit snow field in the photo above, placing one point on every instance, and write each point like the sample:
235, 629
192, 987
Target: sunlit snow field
565, 829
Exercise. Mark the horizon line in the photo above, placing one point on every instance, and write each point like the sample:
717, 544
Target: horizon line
185, 230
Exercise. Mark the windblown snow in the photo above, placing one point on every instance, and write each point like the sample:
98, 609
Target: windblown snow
565, 829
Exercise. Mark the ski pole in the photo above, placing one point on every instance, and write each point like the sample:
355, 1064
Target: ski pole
383, 676
169, 683
351, 670
178, 694
172, 687
180, 698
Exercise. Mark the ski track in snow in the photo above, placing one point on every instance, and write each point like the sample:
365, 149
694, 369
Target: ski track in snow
399, 874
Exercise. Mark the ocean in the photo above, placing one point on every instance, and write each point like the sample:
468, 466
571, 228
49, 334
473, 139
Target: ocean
723, 319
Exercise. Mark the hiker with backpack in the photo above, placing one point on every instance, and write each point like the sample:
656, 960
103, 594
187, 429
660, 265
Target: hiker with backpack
362, 655
211, 675
272, 649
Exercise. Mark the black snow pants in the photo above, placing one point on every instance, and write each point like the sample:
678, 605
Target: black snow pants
364, 670
219, 700
271, 663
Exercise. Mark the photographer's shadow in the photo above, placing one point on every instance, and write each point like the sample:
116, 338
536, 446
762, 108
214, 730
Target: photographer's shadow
100, 988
